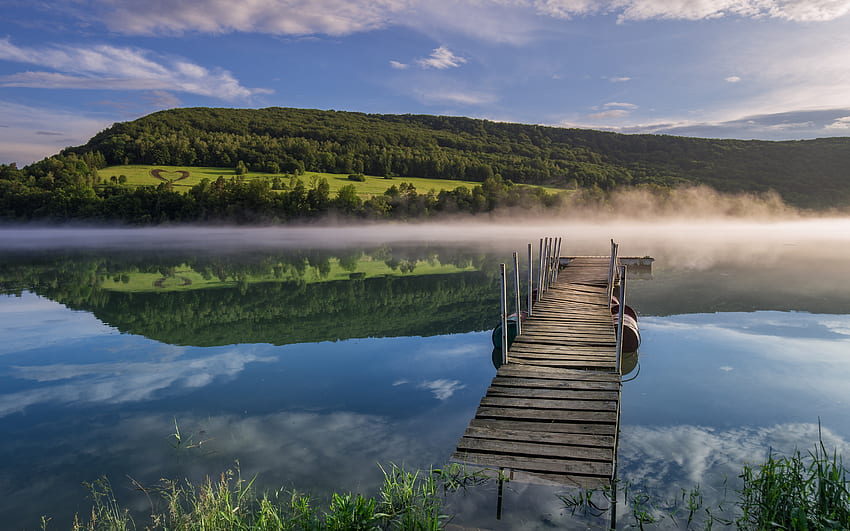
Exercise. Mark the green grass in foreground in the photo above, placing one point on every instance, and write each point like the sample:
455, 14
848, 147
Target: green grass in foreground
798, 492
140, 175
407, 500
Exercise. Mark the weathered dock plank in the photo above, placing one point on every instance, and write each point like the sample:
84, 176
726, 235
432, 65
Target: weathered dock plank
552, 411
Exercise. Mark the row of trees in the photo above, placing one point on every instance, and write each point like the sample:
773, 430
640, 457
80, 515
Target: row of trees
66, 192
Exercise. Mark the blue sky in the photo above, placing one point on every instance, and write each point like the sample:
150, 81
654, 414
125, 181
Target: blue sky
768, 69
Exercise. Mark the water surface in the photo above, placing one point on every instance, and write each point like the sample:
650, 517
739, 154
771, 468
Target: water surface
310, 361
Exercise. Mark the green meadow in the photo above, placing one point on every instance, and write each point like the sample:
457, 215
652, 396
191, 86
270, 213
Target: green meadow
185, 278
141, 175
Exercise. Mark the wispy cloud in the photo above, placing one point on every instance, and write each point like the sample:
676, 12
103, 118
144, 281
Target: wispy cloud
21, 142
441, 58
840, 123
398, 65
443, 389
621, 79
626, 10
120, 381
343, 17
457, 96
613, 113
278, 17
732, 79
111, 67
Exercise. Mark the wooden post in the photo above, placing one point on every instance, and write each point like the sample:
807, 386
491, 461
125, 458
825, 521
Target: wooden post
622, 270
503, 298
530, 279
558, 259
516, 294
611, 270
540, 270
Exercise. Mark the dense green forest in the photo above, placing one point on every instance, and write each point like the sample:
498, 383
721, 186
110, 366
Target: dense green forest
290, 311
501, 156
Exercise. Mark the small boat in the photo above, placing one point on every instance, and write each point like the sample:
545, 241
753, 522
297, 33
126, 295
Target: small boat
631, 333
512, 330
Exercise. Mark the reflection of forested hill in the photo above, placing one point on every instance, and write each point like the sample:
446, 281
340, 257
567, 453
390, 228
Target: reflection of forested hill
282, 313
244, 308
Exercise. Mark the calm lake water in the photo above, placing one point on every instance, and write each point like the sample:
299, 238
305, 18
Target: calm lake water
312, 355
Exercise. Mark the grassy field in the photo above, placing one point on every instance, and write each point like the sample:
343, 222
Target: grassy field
140, 175
185, 278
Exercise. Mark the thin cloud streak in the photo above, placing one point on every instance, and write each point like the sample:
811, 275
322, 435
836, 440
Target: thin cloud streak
343, 17
117, 68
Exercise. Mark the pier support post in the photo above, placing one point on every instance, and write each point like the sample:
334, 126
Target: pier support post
621, 317
611, 270
503, 298
516, 295
530, 280
540, 271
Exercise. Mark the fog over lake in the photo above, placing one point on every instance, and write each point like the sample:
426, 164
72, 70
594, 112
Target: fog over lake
110, 335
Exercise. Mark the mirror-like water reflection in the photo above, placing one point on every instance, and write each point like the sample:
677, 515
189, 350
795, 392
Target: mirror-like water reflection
311, 366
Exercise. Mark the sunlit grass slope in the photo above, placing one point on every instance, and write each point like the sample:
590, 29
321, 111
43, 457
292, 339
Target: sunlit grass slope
141, 175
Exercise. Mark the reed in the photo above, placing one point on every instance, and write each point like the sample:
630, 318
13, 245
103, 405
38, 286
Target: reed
796, 492
407, 500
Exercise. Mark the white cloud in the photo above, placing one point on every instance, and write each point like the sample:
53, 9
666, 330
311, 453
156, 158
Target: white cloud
278, 17
658, 457
441, 58
621, 79
21, 142
398, 65
791, 10
842, 123
613, 113
732, 79
619, 105
443, 389
457, 96
111, 67
120, 381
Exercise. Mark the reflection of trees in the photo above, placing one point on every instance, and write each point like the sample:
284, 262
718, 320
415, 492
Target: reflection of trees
288, 311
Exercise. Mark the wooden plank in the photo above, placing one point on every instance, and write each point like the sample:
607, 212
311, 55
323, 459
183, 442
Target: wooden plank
541, 383
556, 374
554, 415
548, 427
535, 449
549, 403
566, 364
538, 464
572, 439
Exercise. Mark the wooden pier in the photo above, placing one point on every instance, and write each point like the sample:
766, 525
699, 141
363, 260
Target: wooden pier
552, 411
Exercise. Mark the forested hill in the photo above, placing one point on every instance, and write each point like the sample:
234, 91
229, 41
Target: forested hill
811, 173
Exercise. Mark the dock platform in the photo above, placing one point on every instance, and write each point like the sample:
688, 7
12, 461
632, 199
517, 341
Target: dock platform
552, 411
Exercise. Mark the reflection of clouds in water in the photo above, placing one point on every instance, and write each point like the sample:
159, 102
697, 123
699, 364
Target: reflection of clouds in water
120, 382
337, 450
442, 388
453, 347
667, 459
787, 340
24, 319
765, 324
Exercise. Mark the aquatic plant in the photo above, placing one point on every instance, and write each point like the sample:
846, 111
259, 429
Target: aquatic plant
407, 500
796, 492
